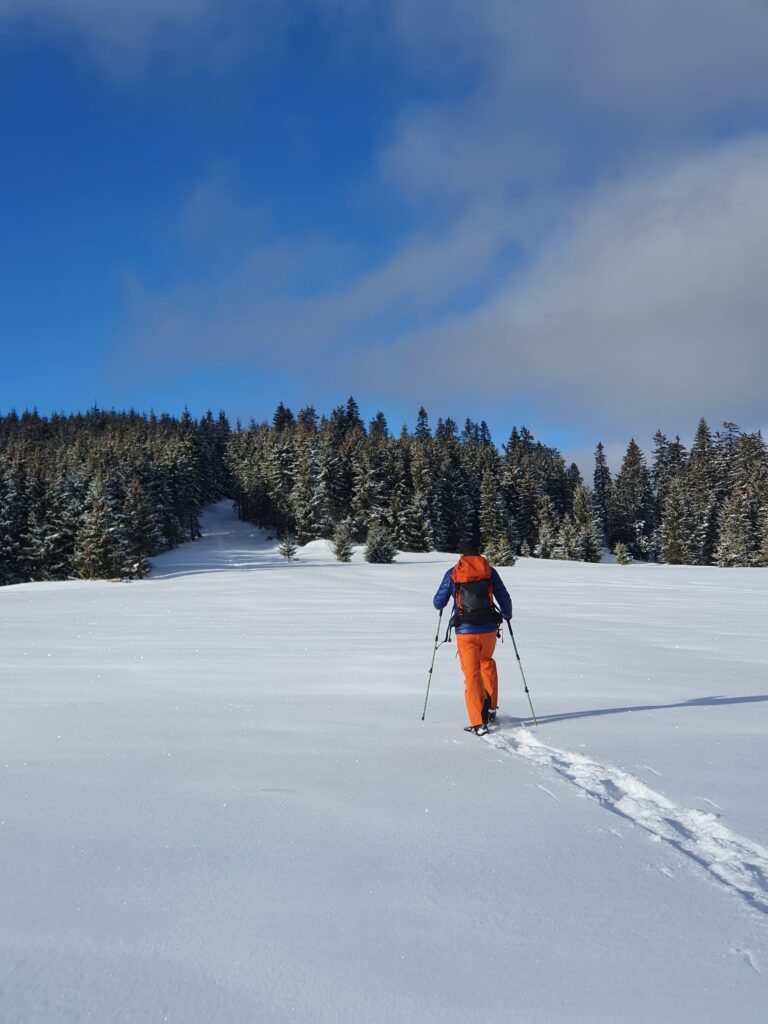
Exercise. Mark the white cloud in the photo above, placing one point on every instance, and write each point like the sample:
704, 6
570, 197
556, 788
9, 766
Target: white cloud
553, 86
292, 299
648, 309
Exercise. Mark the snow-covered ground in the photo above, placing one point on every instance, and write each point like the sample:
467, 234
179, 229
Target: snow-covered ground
218, 802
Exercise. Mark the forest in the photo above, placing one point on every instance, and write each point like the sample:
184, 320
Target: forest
96, 495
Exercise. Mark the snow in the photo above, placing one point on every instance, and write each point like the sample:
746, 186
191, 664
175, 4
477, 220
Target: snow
218, 801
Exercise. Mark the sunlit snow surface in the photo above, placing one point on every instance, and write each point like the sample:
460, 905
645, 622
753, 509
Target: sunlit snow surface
218, 802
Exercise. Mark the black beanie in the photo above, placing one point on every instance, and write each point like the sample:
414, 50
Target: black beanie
469, 546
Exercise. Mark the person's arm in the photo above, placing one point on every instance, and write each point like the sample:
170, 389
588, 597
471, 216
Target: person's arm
443, 595
501, 595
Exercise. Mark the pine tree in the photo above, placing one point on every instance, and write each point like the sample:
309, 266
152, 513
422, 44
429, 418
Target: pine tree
631, 511
377, 428
282, 419
181, 467
422, 431
622, 554
379, 546
34, 536
342, 542
328, 499
547, 529
602, 493
589, 534
161, 497
13, 521
573, 480
210, 447
303, 492
279, 475
421, 514
100, 549
675, 532
700, 483
453, 502
499, 551
724, 456
567, 542
373, 483
352, 414
65, 510
737, 540
742, 511
669, 460
400, 495
287, 547
306, 420
526, 516
490, 516
140, 530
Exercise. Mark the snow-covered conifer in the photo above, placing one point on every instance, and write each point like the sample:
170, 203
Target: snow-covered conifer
589, 535
13, 521
603, 485
287, 547
491, 521
631, 510
379, 545
303, 491
567, 541
342, 542
675, 532
100, 550
622, 554
700, 493
499, 551
737, 544
421, 515
548, 527
140, 530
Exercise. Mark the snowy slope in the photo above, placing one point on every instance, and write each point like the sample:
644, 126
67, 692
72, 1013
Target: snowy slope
218, 801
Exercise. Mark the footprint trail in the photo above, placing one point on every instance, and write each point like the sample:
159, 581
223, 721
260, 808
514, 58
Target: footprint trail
737, 863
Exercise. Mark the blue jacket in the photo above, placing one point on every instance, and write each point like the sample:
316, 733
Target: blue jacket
447, 590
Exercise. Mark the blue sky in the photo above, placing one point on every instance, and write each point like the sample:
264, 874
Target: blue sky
545, 213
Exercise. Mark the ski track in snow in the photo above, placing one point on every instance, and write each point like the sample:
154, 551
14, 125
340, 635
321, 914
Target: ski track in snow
736, 862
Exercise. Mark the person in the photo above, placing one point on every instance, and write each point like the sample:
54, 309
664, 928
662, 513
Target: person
474, 586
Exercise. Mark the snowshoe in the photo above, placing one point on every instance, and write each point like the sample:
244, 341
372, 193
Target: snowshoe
478, 730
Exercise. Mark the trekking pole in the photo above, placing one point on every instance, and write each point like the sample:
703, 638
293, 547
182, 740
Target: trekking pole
434, 652
525, 684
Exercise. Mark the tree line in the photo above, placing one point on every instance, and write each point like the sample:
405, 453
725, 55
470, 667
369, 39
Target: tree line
429, 489
96, 495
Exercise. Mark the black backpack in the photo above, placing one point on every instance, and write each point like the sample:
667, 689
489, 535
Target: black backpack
474, 593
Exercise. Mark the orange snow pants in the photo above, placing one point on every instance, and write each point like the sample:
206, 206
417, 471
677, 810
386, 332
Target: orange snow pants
479, 668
